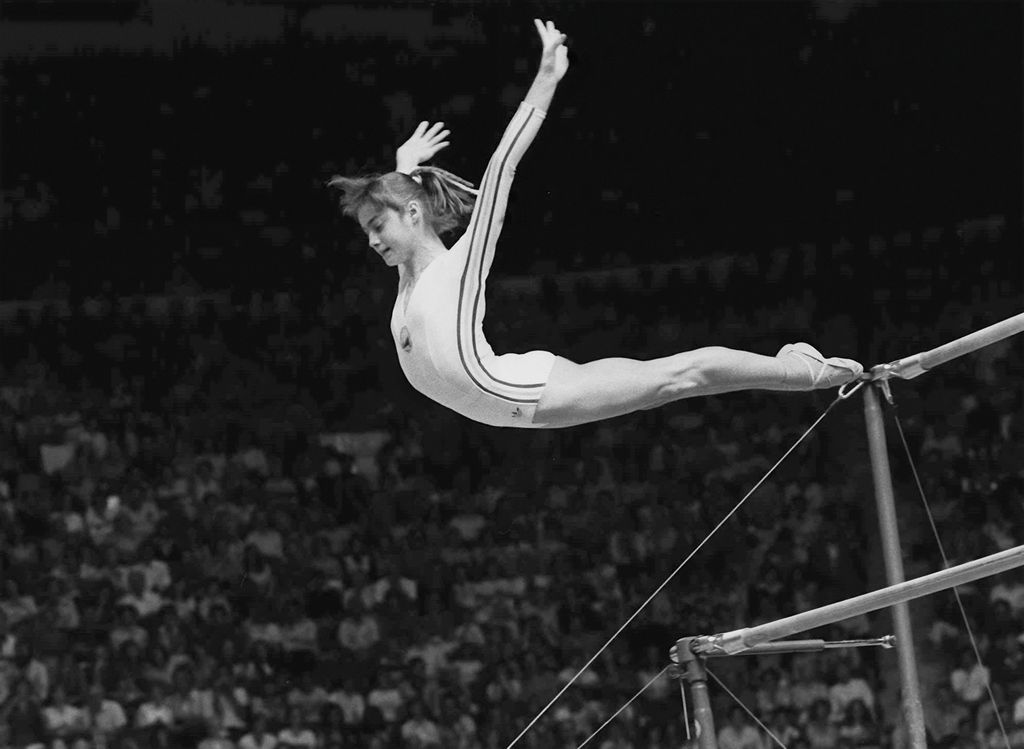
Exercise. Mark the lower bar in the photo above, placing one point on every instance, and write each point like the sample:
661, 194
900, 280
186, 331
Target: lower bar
741, 639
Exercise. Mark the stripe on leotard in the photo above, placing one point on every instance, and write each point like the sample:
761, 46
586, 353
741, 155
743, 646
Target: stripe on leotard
492, 190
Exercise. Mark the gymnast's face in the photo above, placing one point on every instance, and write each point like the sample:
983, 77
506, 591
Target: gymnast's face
391, 233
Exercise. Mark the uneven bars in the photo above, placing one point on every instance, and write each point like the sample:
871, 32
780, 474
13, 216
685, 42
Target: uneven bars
911, 366
741, 639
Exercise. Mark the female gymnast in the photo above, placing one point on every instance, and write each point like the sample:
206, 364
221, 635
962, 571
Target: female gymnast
437, 321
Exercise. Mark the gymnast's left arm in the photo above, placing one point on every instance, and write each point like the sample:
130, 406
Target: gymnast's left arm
489, 212
520, 132
554, 62
428, 139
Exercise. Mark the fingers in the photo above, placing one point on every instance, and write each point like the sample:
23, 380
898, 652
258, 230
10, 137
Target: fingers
432, 135
549, 33
423, 132
433, 140
546, 30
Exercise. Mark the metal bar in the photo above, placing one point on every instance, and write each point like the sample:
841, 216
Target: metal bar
809, 646
887, 642
782, 646
741, 639
917, 364
697, 675
885, 501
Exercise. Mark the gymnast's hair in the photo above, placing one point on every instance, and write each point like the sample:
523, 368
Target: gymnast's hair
448, 200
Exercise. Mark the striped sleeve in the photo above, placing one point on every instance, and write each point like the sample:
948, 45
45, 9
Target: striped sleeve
481, 236
474, 252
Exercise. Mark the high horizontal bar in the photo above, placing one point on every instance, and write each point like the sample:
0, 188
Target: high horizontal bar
742, 639
917, 364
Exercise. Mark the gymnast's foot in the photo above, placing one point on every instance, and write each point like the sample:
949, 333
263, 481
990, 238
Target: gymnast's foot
807, 369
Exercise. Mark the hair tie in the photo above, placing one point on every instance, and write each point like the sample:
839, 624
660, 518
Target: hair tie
416, 177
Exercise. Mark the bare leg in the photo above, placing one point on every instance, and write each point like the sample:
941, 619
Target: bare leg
602, 389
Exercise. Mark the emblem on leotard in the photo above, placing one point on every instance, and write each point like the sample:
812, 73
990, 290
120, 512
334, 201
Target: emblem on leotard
517, 412
404, 340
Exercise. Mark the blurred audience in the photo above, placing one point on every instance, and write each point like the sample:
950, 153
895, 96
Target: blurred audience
227, 521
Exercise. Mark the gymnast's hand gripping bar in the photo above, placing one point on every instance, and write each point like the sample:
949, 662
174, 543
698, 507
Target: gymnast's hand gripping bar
911, 366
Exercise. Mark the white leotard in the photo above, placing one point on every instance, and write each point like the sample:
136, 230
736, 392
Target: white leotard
438, 328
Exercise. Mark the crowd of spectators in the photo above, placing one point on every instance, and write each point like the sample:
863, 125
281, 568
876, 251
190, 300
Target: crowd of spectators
187, 563
227, 522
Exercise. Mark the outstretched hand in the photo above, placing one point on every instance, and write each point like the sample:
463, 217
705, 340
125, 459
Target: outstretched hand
421, 145
554, 58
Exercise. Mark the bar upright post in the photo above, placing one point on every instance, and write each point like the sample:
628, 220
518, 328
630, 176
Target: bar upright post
891, 550
697, 675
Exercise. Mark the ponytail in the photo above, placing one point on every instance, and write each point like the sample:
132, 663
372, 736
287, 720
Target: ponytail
448, 198
451, 197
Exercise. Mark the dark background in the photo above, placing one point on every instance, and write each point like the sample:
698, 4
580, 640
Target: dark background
681, 130
188, 324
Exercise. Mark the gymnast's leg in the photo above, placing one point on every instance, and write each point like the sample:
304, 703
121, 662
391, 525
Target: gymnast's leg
602, 389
